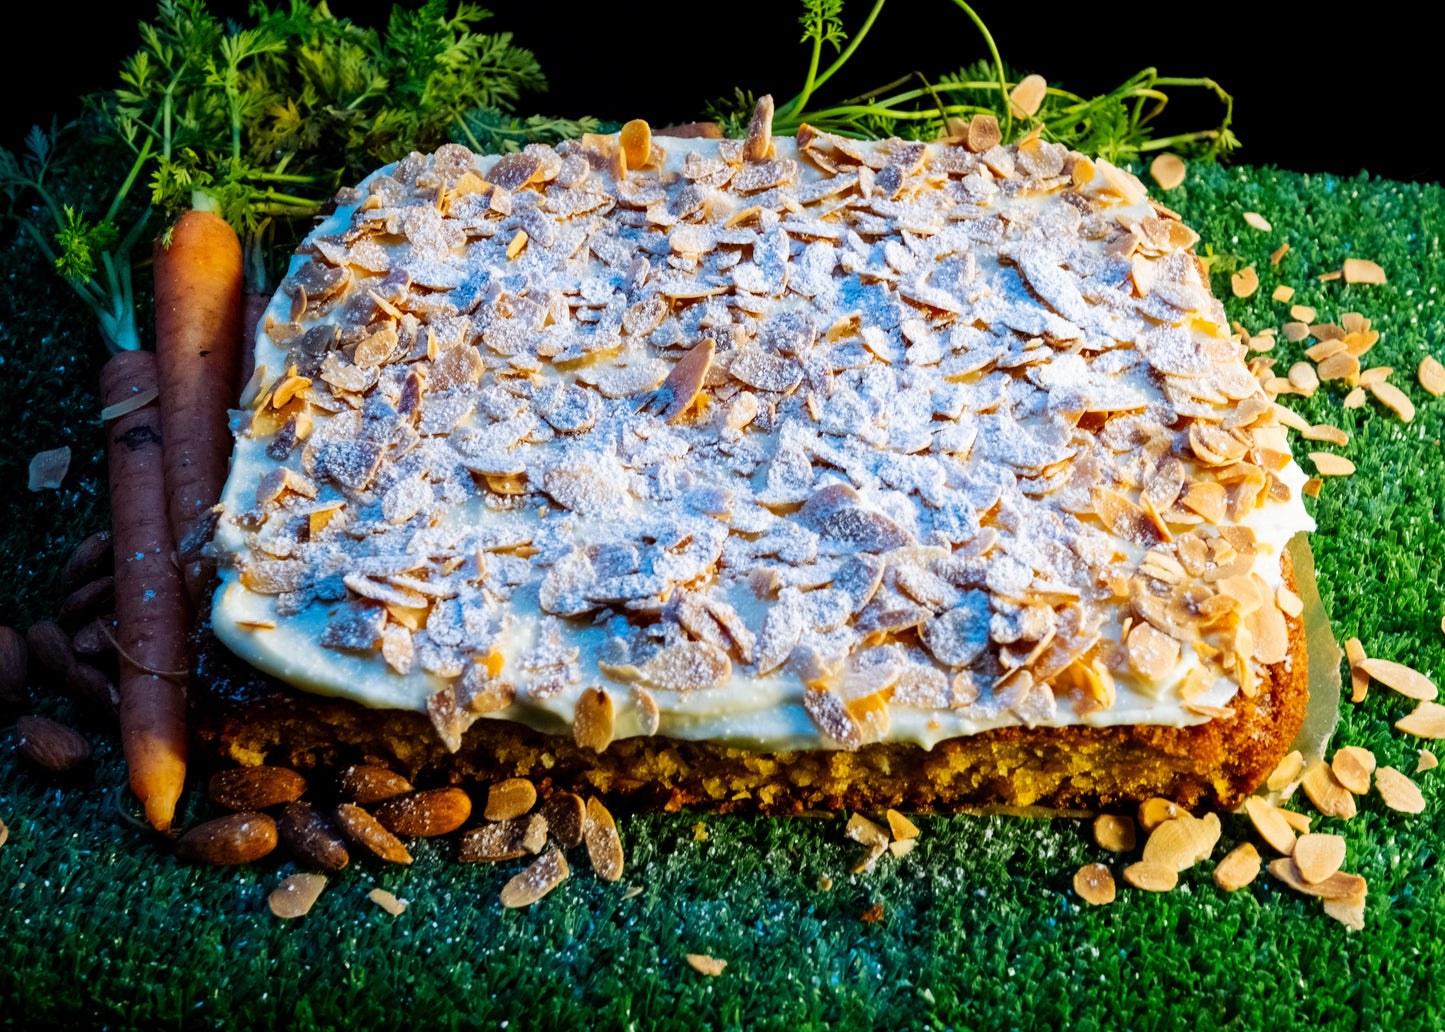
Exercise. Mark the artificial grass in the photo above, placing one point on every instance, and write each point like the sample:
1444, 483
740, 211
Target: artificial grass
980, 928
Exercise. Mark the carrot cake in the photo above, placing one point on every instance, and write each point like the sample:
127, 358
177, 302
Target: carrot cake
767, 473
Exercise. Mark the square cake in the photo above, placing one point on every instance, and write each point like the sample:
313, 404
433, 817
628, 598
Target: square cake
762, 474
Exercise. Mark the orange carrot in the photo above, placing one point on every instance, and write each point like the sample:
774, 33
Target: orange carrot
198, 336
152, 615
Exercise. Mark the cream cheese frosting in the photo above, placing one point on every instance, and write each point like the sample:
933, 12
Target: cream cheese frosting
962, 441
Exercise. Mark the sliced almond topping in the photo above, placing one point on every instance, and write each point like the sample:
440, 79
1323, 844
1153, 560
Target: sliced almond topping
517, 244
1398, 791
705, 965
1094, 884
1244, 283
1352, 767
1271, 825
1329, 796
1114, 833
1427, 761
1239, 867
901, 826
1401, 678
1152, 877
1289, 603
1285, 774
1318, 856
604, 845
592, 720
1427, 721
1362, 270
546, 872
1432, 375
1394, 398
1026, 97
1332, 465
1168, 171
1258, 221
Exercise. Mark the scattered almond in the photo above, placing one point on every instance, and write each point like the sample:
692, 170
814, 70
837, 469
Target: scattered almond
1239, 867
604, 845
1094, 884
425, 814
1359, 680
237, 838
387, 902
1152, 877
546, 873
1114, 833
1183, 841
1027, 96
1298, 821
1285, 774
861, 829
1427, 720
1168, 171
51, 746
1427, 761
901, 826
1329, 796
1337, 886
902, 847
1362, 270
365, 784
311, 837
1432, 375
705, 965
1258, 221
1352, 767
295, 896
1271, 825
1400, 677
566, 816
592, 720
1278, 253
365, 830
1393, 398
1355, 399
505, 840
1154, 812
1302, 313
1282, 293
50, 646
14, 665
91, 559
1318, 856
1332, 465
510, 798
1245, 282
1398, 791
1351, 915
1312, 487
255, 788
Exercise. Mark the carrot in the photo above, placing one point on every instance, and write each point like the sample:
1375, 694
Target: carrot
198, 340
152, 614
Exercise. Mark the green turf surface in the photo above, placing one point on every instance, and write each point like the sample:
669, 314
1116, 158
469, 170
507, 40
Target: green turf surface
980, 928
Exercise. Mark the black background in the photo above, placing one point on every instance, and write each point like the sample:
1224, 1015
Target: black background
1314, 92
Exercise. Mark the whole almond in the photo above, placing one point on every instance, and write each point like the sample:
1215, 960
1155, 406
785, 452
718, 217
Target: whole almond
52, 746
312, 837
87, 601
604, 846
50, 646
92, 640
237, 838
255, 788
365, 830
425, 814
14, 664
93, 687
92, 558
366, 784
510, 798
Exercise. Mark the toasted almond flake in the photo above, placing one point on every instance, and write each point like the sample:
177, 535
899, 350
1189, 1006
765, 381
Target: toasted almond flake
1239, 867
1183, 841
1026, 97
1426, 721
1302, 313
1298, 821
1318, 856
632, 892
1359, 680
1114, 833
1432, 375
48, 468
1352, 767
387, 902
1168, 171
1285, 774
1375, 374
140, 399
592, 720
705, 965
901, 826
1304, 377
1355, 399
1312, 487
1283, 292
1329, 796
1328, 277
1200, 709
1325, 432
1272, 827
509, 799
1151, 877
1394, 398
517, 244
861, 829
1351, 915
635, 139
1332, 465
1289, 603
1278, 253
1398, 791
1325, 349
1154, 812
1400, 677
1245, 282
604, 845
903, 847
295, 896
1258, 221
1094, 884
1339, 885
1427, 761
1294, 332
1362, 270
545, 874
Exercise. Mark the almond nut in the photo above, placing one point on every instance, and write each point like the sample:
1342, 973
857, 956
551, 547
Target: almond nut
425, 814
366, 784
365, 830
93, 687
312, 838
91, 558
255, 788
505, 840
94, 639
14, 664
566, 817
50, 646
87, 601
52, 746
545, 874
604, 845
510, 798
295, 896
237, 838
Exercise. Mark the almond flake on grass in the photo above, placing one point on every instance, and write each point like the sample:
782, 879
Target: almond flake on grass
604, 845
1258, 221
1283, 293
1245, 282
1239, 867
1332, 465
1278, 253
1432, 375
1362, 270
1317, 856
1287, 772
1168, 171
1351, 915
1427, 761
1426, 721
1394, 399
1359, 680
1401, 678
1302, 313
1271, 825
295, 896
1398, 791
903, 847
1094, 884
1154, 812
1298, 821
901, 826
705, 965
545, 874
1352, 767
1339, 885
1325, 432
387, 902
1114, 833
1326, 793
1152, 877
1183, 841
1312, 487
